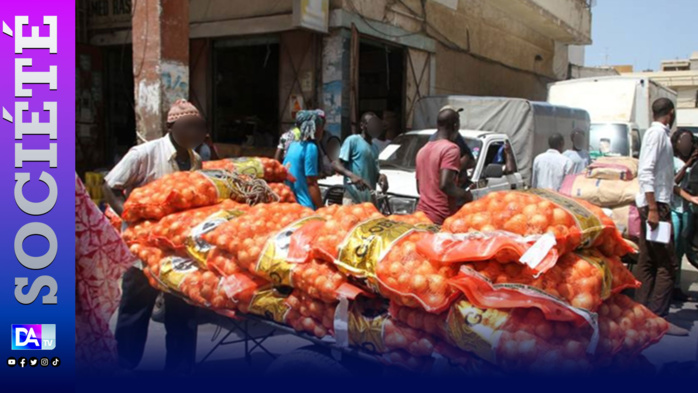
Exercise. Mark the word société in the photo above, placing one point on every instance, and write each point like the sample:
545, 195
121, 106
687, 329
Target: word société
35, 210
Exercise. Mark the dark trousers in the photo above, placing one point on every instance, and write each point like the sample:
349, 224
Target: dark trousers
656, 267
135, 309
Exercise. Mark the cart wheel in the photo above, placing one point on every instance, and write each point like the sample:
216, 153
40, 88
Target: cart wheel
306, 362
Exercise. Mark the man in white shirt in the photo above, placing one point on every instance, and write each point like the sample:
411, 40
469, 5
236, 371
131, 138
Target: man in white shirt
657, 264
551, 167
140, 166
578, 153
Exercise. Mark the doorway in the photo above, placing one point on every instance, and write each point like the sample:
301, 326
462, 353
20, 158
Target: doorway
120, 115
246, 92
382, 80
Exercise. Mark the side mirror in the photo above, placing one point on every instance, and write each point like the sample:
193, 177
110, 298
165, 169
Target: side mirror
494, 171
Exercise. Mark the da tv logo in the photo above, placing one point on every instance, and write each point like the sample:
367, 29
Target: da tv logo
33, 337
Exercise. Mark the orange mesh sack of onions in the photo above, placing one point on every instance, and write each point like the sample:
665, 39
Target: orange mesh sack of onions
172, 231
283, 191
246, 237
582, 280
382, 255
264, 240
113, 218
277, 304
256, 167
199, 249
183, 277
574, 223
515, 340
339, 221
176, 192
377, 332
628, 327
138, 232
313, 316
150, 257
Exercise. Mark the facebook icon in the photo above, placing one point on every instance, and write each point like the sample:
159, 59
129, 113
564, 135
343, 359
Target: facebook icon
33, 337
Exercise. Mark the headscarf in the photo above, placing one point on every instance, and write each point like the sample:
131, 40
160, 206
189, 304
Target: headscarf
308, 121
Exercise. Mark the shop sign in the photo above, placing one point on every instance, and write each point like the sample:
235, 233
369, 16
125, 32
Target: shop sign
109, 13
311, 14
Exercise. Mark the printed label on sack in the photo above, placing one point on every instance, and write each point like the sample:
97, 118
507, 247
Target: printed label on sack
476, 330
273, 263
540, 249
600, 263
220, 179
269, 304
533, 292
174, 269
587, 222
196, 246
366, 332
249, 166
366, 245
432, 228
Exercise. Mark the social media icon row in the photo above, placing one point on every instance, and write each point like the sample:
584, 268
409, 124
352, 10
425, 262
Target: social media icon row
33, 362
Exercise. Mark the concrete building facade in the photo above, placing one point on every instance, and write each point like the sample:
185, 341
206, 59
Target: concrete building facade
680, 76
250, 65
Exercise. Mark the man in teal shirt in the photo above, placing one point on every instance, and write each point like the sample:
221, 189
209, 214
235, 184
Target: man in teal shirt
358, 162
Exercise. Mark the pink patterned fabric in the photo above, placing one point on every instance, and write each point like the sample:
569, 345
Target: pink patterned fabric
101, 258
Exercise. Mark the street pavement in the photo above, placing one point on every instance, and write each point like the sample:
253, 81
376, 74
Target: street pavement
680, 349
229, 359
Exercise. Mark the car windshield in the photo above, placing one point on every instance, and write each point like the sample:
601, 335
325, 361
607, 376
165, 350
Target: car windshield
608, 140
402, 152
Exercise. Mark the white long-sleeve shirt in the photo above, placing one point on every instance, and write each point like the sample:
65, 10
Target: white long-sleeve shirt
580, 159
655, 172
550, 169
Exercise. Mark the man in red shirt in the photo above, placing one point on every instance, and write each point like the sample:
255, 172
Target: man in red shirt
438, 164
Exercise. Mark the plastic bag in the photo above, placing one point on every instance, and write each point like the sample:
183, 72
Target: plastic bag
583, 280
575, 223
500, 246
481, 292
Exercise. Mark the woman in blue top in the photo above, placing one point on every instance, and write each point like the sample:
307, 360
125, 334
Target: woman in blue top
303, 158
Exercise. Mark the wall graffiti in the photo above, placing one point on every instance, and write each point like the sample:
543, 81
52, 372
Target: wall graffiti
175, 82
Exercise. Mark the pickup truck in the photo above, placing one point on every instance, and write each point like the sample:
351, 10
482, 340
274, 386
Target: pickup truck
397, 162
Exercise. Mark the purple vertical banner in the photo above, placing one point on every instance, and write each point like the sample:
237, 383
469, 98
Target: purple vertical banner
37, 183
